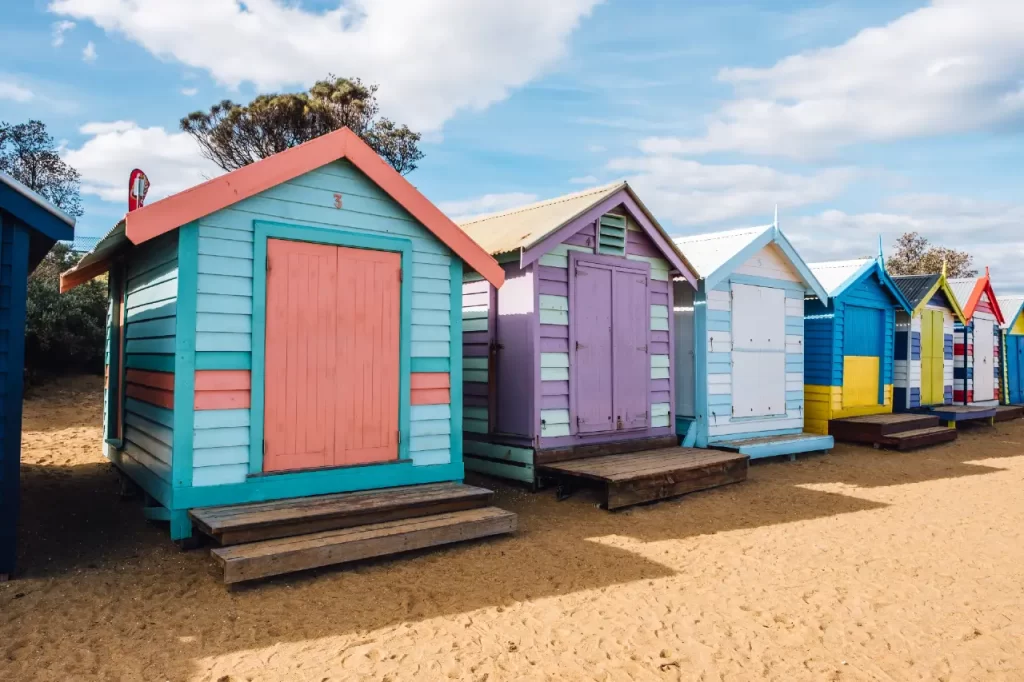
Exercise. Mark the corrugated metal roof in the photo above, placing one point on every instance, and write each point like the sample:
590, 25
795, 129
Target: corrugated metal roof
107, 245
1011, 306
915, 287
708, 252
81, 244
962, 288
833, 274
524, 226
35, 198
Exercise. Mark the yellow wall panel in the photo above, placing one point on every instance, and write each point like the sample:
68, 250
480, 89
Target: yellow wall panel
860, 381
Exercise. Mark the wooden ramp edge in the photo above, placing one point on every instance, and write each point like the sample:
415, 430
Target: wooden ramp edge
286, 555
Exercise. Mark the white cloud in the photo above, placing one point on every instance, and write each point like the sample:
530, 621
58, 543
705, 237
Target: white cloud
488, 203
15, 92
189, 92
989, 231
954, 66
687, 192
585, 180
171, 160
89, 53
59, 29
596, 148
432, 59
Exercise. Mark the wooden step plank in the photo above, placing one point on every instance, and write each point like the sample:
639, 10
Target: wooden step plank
919, 438
276, 557
356, 497
331, 512
1005, 413
868, 428
671, 458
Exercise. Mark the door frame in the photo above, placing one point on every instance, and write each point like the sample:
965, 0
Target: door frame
612, 262
264, 230
974, 362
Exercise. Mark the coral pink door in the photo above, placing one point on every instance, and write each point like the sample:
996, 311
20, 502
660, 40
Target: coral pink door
332, 356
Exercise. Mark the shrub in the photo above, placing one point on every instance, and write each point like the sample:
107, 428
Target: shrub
64, 332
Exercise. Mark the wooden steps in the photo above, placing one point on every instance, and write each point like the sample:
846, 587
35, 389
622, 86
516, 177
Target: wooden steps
918, 438
898, 431
1005, 413
282, 518
635, 478
951, 415
268, 558
264, 539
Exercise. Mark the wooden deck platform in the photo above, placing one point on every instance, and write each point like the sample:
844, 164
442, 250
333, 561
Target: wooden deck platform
900, 431
270, 538
1005, 413
951, 415
235, 524
635, 478
776, 446
286, 555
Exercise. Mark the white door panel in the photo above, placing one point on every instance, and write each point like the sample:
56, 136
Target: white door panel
758, 317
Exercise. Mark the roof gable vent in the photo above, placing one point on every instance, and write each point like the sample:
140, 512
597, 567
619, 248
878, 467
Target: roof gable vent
611, 238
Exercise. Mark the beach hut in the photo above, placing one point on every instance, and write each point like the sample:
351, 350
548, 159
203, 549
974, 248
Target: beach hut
850, 339
1013, 349
29, 226
747, 351
924, 342
290, 330
976, 353
572, 358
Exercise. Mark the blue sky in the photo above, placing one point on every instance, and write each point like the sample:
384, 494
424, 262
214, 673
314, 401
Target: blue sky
856, 118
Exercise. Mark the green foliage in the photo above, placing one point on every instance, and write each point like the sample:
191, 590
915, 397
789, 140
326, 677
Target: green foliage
27, 154
64, 332
915, 256
232, 135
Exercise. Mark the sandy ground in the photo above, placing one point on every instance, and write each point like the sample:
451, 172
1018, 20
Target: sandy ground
859, 565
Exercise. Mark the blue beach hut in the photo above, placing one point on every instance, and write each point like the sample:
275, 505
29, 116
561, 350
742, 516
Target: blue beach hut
29, 226
850, 342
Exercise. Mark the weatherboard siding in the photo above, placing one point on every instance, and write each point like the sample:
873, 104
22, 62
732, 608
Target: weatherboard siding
829, 341
151, 294
556, 358
224, 308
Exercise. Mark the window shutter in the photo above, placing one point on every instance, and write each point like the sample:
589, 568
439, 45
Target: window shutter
611, 239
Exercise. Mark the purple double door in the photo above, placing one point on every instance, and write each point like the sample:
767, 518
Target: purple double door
611, 360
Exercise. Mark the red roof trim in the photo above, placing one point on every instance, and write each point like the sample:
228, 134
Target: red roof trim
983, 286
213, 195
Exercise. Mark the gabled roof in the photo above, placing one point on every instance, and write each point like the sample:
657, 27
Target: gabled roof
716, 254
968, 292
536, 228
839, 275
33, 210
523, 226
1012, 305
213, 195
919, 289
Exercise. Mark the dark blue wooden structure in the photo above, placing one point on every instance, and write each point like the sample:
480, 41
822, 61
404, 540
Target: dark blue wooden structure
29, 226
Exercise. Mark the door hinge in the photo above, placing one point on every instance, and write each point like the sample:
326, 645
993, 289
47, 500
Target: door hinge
400, 276
264, 448
399, 436
268, 263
